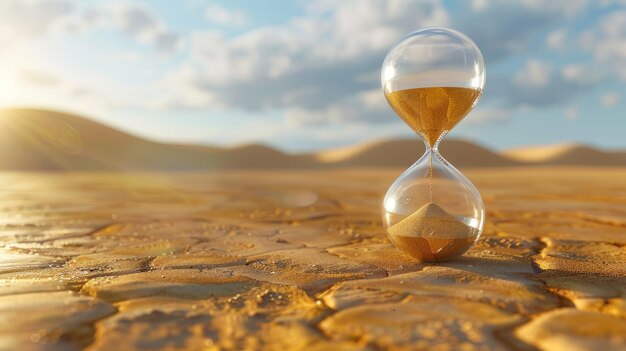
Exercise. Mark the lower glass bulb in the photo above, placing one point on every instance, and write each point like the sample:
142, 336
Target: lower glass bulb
432, 212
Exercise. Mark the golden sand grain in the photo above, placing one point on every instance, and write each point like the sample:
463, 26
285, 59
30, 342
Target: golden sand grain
432, 111
432, 234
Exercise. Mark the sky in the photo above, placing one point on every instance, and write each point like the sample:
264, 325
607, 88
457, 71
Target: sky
305, 75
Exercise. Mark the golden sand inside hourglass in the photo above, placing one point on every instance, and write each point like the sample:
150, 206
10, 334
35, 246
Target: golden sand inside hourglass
432, 234
434, 110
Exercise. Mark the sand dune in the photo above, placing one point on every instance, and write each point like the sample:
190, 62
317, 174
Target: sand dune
47, 140
567, 154
404, 152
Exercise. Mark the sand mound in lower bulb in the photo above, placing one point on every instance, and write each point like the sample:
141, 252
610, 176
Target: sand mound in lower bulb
431, 234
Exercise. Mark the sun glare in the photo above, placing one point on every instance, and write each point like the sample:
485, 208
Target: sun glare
8, 86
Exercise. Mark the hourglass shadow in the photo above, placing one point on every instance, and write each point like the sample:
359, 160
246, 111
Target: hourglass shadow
505, 267
497, 267
520, 268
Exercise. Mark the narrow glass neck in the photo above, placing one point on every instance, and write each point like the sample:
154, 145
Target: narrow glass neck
435, 146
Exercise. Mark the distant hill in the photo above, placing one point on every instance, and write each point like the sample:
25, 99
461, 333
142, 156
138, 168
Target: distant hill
567, 154
41, 140
404, 152
48, 140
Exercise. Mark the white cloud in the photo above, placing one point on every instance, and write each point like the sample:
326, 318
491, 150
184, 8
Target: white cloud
605, 3
221, 15
22, 20
131, 19
139, 22
536, 73
488, 115
312, 66
40, 78
614, 25
360, 108
479, 5
556, 39
317, 67
571, 113
32, 83
587, 40
539, 83
575, 72
25, 19
566, 7
610, 99
608, 43
502, 27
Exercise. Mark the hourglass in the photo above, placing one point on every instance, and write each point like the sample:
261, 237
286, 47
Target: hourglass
432, 79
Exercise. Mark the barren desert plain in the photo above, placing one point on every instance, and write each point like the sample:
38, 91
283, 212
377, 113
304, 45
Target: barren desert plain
296, 258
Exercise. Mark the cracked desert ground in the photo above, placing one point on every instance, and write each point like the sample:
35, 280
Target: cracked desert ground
298, 260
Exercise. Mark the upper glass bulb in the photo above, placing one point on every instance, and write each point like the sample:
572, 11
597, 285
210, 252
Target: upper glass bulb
432, 78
